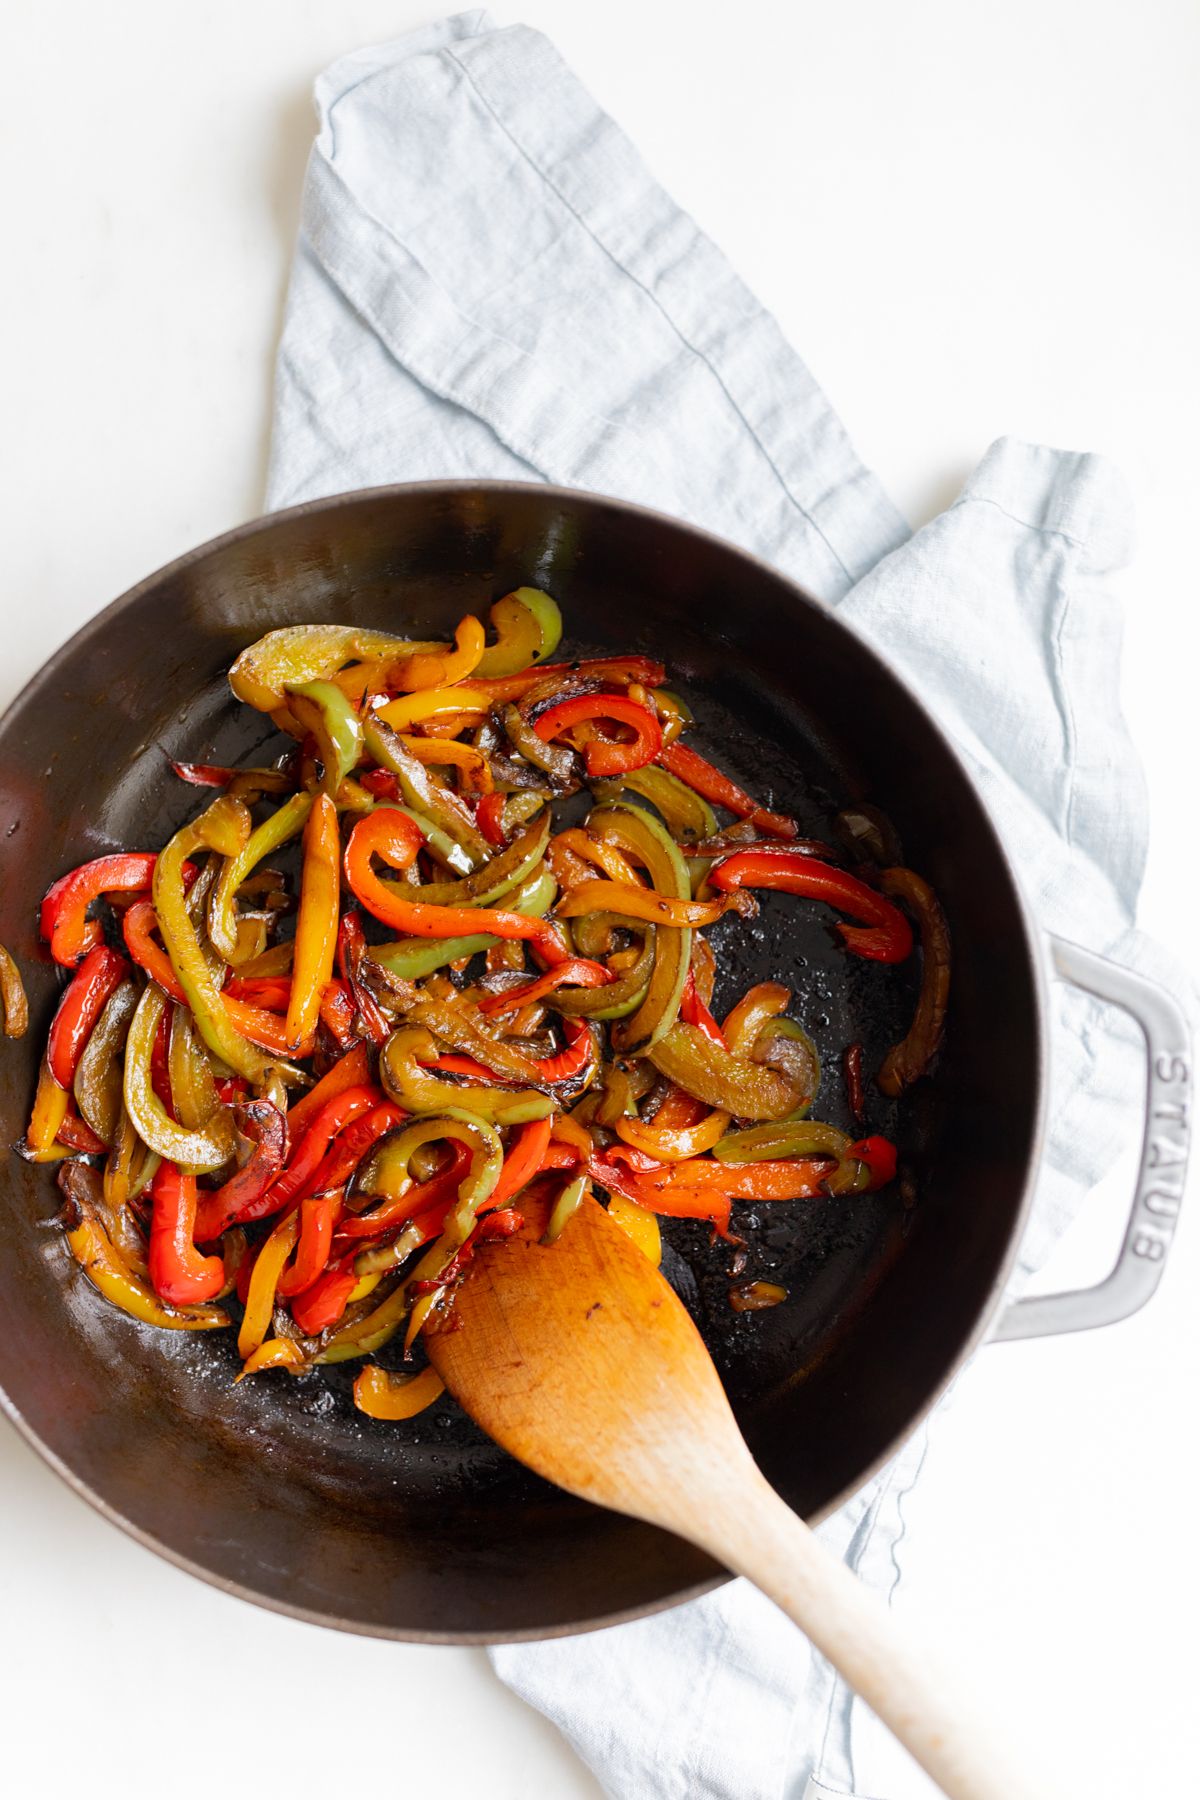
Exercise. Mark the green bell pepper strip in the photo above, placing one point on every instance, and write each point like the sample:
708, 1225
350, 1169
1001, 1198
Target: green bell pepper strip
193, 1084
98, 1073
225, 827
422, 792
334, 722
528, 626
286, 822
411, 958
412, 1084
198, 1150
686, 814
788, 1137
748, 1090
297, 654
636, 832
796, 1057
361, 1337
498, 877
566, 1206
620, 997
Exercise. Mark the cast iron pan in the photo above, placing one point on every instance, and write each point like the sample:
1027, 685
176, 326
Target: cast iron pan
278, 1489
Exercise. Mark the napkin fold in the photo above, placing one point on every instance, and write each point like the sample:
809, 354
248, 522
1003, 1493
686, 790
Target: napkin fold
489, 283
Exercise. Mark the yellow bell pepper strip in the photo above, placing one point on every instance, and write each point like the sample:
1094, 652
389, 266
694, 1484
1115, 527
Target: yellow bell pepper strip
178, 1271
639, 1224
275, 1353
735, 1084
644, 839
297, 654
198, 1150
107, 1271
638, 903
98, 975
14, 1007
405, 1073
238, 1199
908, 1060
412, 958
607, 858
420, 791
604, 756
382, 1395
675, 713
440, 668
883, 935
264, 840
275, 960
316, 921
49, 1110
335, 726
566, 1206
674, 1144
224, 827
64, 916
528, 627
260, 1297
97, 1083
712, 785
433, 703
610, 671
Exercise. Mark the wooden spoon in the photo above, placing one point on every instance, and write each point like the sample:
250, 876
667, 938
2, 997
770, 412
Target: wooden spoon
581, 1361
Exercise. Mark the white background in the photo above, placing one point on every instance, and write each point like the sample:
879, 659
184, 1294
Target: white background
970, 220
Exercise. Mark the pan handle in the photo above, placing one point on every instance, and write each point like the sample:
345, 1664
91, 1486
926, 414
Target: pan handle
1162, 1167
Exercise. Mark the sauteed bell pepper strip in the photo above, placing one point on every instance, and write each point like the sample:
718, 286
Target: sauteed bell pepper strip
241, 1198
140, 922
394, 839
489, 816
645, 840
908, 1060
432, 703
97, 1084
14, 1007
260, 1296
264, 840
440, 668
685, 813
693, 1011
319, 1214
676, 1203
434, 752
296, 654
334, 724
412, 958
107, 1271
411, 1199
64, 921
275, 1353
713, 786
884, 934
179, 1272
97, 976
50, 1104
404, 1068
507, 870
198, 1150
351, 1070
351, 955
310, 1146
615, 671
638, 903
528, 627
638, 1223
381, 1394
674, 1144
577, 971
421, 791
323, 1304
316, 921
605, 756
751, 1090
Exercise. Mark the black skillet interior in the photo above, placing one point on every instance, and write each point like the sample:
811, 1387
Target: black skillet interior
280, 1488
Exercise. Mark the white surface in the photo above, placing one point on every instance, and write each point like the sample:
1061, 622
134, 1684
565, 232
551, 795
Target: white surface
992, 208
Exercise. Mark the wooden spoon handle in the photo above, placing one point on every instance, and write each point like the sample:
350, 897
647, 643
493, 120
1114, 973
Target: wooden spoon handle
758, 1536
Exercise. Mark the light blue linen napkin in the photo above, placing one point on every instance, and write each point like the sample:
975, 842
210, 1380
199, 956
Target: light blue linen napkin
488, 283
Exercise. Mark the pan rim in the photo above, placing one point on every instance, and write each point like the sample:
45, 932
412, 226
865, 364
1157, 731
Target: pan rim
1033, 943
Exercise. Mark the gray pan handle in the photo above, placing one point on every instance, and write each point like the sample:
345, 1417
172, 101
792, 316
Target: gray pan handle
1162, 1167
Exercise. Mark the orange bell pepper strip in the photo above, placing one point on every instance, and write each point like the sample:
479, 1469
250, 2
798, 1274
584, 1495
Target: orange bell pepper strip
522, 1162
178, 1271
674, 1143
383, 1395
395, 839
718, 789
260, 1295
316, 921
883, 935
98, 974
639, 903
49, 1110
275, 1353
351, 1070
440, 668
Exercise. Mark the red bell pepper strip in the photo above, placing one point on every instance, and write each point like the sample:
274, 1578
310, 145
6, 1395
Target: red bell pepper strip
440, 1190
578, 971
98, 974
271, 991
713, 786
313, 1143
618, 671
678, 1203
380, 782
523, 1160
234, 1202
203, 774
351, 1070
64, 921
178, 1271
605, 756
324, 1302
138, 926
494, 1225
78, 1135
693, 1011
352, 1144
884, 935
488, 817
879, 1154
337, 1012
319, 1213
395, 839
351, 949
